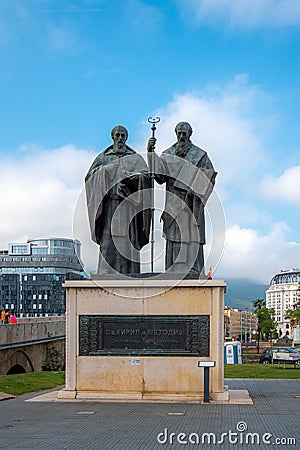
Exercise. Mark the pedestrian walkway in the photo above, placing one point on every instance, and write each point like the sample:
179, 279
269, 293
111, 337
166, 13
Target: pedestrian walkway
236, 397
4, 396
272, 421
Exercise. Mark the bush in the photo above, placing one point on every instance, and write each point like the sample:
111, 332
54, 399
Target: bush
53, 362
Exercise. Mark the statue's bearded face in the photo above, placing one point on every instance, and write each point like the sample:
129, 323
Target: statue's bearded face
182, 136
119, 137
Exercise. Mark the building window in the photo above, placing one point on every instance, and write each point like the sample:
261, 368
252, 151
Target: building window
39, 250
42, 242
19, 249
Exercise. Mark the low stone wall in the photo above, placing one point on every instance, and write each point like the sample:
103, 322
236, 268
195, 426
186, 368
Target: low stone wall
32, 329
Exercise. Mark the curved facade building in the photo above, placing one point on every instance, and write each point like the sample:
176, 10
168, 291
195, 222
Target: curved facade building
283, 295
32, 274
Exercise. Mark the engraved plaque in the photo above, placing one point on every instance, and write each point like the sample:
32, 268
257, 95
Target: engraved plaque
144, 335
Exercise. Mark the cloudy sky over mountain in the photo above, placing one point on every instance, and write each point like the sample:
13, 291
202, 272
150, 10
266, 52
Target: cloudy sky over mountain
72, 69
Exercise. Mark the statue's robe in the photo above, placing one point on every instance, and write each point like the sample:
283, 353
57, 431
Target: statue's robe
117, 192
189, 180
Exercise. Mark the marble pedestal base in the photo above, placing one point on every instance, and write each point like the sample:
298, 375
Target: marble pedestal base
137, 377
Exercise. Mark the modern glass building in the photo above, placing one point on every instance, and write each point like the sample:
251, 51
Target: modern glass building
282, 295
32, 274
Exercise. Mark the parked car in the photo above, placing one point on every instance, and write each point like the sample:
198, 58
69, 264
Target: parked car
286, 355
268, 355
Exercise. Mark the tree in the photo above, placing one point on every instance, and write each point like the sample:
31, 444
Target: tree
258, 305
266, 324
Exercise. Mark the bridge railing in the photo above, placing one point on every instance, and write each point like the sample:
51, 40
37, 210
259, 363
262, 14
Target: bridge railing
32, 329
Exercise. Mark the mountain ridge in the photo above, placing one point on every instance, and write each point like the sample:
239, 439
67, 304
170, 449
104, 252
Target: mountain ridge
240, 292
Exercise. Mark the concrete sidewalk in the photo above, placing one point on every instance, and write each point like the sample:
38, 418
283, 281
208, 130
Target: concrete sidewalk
4, 396
272, 421
236, 397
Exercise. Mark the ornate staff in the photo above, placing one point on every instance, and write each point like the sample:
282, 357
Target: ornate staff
153, 121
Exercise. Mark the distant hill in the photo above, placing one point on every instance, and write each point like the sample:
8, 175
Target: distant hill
238, 292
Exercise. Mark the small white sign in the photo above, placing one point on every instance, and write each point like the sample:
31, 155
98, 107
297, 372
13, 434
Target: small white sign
206, 363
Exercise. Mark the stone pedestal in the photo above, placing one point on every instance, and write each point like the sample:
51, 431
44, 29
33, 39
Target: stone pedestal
178, 324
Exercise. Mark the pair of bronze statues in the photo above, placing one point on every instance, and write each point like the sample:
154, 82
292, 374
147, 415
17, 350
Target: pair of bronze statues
119, 191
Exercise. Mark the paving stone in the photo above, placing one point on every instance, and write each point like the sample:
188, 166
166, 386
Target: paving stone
135, 426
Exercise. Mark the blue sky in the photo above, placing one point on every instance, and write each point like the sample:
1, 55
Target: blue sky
72, 69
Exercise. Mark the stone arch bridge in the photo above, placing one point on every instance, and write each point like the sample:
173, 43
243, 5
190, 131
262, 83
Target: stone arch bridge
26, 346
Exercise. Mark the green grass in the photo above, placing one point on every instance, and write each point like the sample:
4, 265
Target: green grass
23, 383
256, 370
38, 381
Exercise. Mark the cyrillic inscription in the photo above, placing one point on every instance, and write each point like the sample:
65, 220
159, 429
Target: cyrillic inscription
144, 335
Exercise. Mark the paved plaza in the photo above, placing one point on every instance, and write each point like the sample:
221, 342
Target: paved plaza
272, 421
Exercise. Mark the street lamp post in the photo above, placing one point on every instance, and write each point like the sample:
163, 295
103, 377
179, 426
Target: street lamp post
250, 300
250, 327
245, 326
241, 324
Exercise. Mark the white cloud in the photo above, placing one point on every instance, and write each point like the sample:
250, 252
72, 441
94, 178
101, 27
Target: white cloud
258, 257
245, 13
227, 124
40, 190
285, 187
